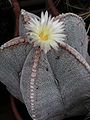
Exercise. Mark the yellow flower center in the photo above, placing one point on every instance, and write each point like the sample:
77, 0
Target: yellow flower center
43, 36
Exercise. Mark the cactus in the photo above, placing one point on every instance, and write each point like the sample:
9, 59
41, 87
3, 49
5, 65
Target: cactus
55, 85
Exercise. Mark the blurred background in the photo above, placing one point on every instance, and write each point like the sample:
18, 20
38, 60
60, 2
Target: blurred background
10, 108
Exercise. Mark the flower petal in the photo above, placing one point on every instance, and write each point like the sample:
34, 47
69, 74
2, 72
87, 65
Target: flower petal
54, 45
46, 32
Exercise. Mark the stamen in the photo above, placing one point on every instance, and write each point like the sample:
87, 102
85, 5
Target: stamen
43, 36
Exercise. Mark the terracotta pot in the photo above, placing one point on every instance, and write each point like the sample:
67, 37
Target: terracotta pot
52, 8
14, 109
16, 9
19, 109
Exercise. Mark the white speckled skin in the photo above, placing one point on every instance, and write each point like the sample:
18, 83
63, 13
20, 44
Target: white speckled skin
55, 85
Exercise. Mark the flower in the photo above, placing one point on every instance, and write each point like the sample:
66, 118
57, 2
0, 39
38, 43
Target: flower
46, 32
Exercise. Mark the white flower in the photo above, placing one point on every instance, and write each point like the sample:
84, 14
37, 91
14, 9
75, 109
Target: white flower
46, 32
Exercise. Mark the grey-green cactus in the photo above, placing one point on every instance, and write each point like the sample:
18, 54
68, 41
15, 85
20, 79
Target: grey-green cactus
55, 85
